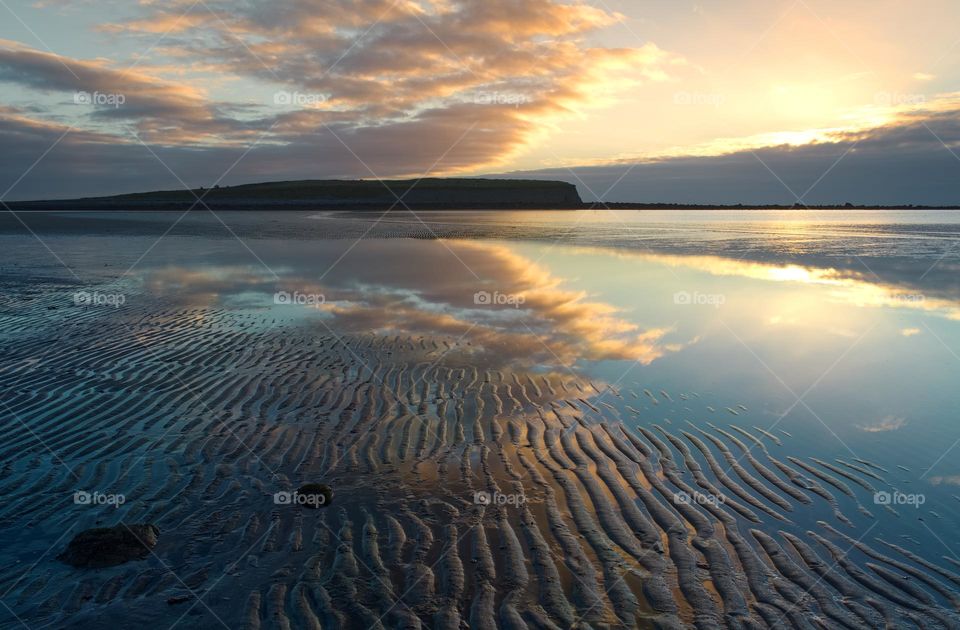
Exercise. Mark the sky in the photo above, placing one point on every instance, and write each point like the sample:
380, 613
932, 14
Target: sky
715, 101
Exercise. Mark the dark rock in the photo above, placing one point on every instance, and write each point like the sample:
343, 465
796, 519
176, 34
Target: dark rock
110, 546
317, 495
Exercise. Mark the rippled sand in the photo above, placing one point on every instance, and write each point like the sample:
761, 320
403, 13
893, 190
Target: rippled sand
472, 488
493, 498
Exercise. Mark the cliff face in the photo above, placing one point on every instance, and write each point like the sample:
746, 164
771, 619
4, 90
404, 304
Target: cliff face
344, 195
534, 194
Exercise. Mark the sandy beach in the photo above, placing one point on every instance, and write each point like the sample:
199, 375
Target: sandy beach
477, 479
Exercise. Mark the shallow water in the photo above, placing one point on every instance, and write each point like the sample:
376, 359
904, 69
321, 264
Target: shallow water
195, 364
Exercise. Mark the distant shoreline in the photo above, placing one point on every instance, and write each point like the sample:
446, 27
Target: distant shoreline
72, 207
383, 195
416, 194
684, 206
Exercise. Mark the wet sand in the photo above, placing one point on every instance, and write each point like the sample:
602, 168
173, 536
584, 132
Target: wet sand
199, 416
468, 492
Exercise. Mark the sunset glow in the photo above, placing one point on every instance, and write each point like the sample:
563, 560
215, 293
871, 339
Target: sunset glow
389, 89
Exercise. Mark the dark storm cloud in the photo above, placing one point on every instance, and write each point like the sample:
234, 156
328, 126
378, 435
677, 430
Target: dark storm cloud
906, 162
83, 163
901, 163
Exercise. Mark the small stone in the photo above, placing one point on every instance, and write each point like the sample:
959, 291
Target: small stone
317, 495
109, 546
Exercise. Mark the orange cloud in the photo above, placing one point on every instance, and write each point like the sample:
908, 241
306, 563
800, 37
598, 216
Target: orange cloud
509, 68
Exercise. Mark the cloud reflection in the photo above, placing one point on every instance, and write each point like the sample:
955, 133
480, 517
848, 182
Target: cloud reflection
861, 289
890, 423
420, 288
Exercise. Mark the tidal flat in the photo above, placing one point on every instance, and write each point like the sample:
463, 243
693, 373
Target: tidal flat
586, 419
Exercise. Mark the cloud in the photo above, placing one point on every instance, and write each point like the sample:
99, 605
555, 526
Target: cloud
902, 162
127, 96
890, 423
912, 158
87, 163
397, 88
910, 332
393, 89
